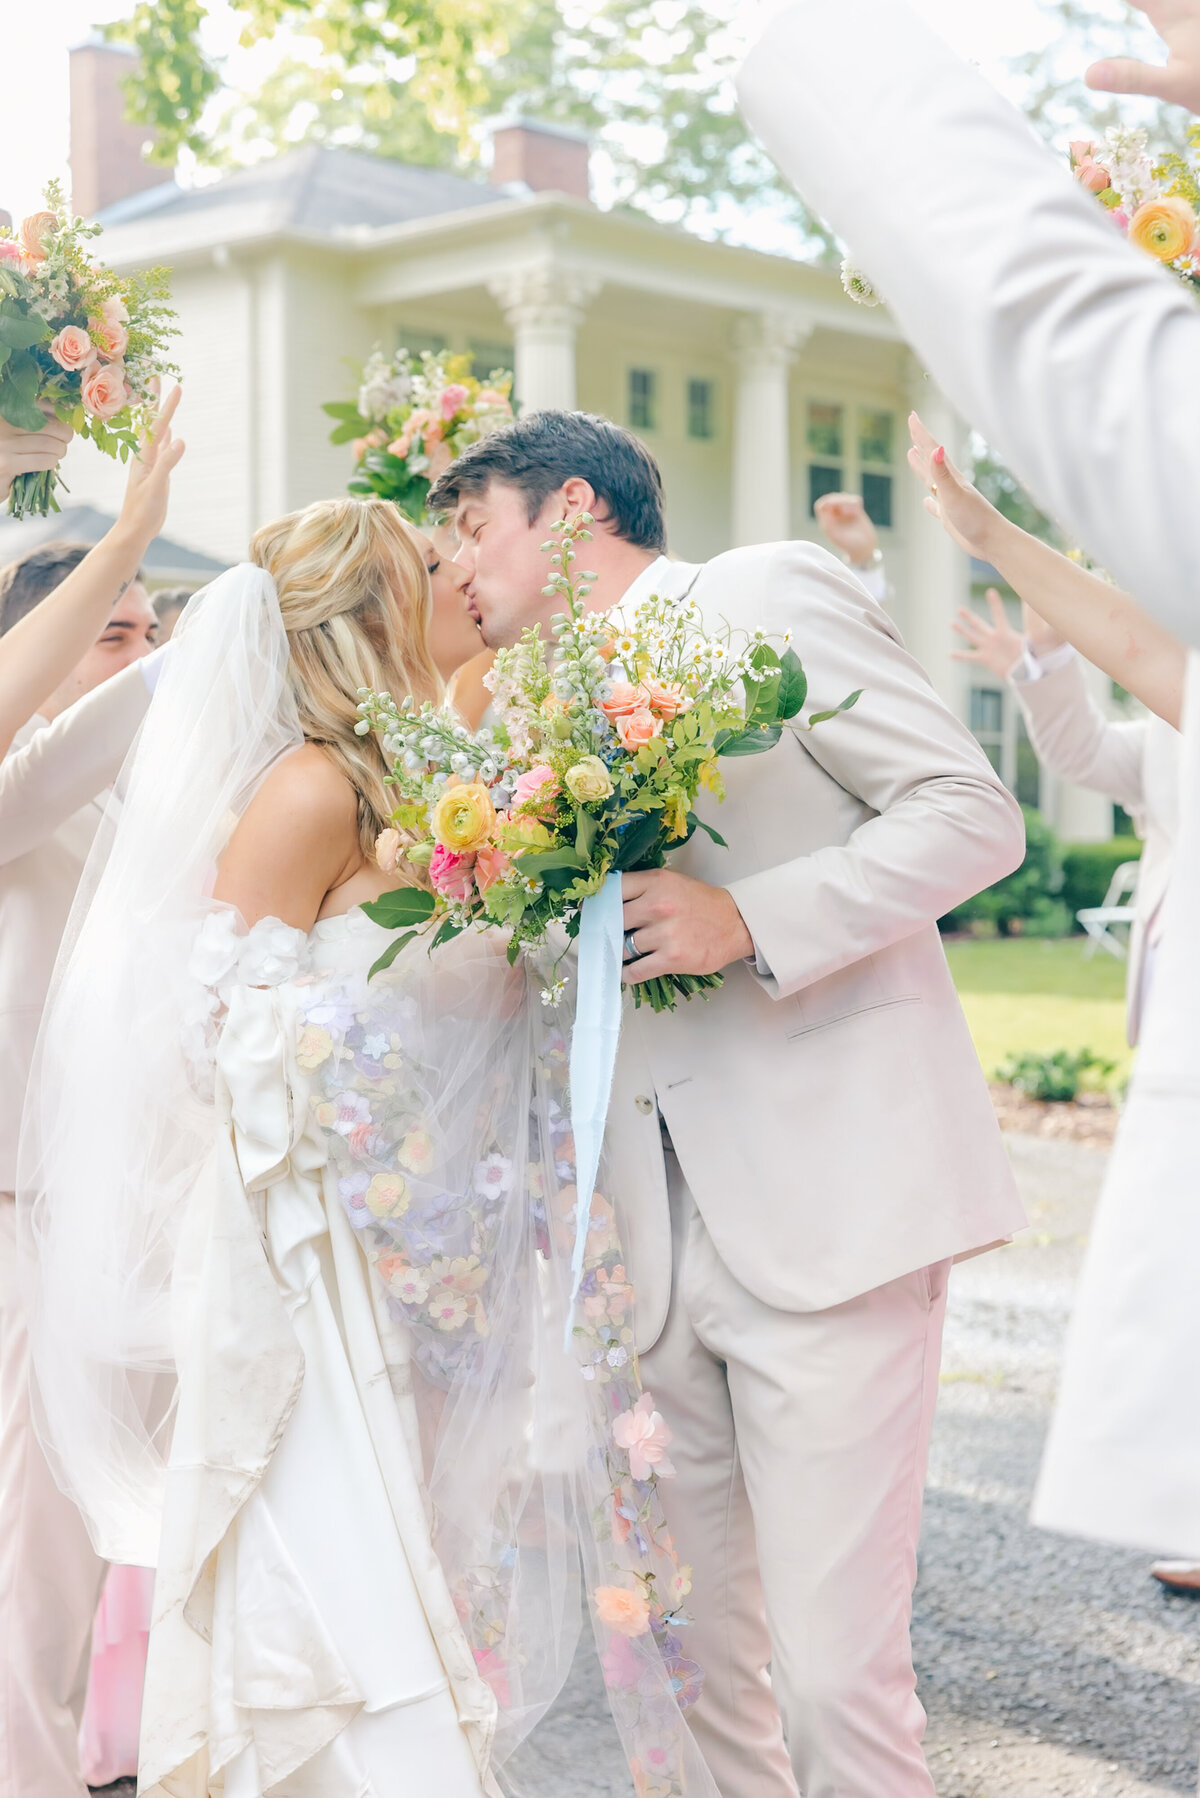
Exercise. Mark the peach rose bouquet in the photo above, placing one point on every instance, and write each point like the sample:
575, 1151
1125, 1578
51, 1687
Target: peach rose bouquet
413, 415
605, 741
1156, 204
76, 341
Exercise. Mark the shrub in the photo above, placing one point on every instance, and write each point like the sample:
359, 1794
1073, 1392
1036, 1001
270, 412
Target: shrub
1058, 1076
1027, 902
1089, 867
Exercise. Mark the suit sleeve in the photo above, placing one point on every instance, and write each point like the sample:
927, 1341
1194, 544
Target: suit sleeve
1074, 739
1073, 354
69, 762
945, 826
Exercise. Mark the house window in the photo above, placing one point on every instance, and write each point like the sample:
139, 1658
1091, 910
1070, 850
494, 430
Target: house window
643, 398
417, 342
987, 724
826, 449
490, 359
876, 452
701, 409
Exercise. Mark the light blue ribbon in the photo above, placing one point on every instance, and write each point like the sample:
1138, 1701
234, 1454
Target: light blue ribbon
593, 1055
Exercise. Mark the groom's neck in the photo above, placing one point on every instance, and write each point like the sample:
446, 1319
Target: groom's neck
616, 565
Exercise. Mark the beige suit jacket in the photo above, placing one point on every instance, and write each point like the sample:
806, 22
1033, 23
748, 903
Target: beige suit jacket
1135, 763
51, 793
831, 1116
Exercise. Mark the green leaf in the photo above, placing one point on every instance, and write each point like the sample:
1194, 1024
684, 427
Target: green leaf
749, 742
824, 717
20, 332
390, 953
348, 413
587, 829
407, 905
764, 694
641, 844
709, 831
446, 932
793, 684
538, 862
345, 433
19, 383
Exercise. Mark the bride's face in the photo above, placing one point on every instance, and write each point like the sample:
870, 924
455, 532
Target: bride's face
453, 634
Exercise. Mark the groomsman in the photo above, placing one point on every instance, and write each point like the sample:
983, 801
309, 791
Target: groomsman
798, 1159
53, 784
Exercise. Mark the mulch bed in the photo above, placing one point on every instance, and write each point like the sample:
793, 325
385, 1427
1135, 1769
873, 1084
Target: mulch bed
1091, 1118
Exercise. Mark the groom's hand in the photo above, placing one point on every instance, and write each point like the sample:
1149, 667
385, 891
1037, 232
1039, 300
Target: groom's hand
680, 926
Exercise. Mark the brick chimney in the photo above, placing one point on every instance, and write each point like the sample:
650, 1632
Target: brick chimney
106, 150
543, 158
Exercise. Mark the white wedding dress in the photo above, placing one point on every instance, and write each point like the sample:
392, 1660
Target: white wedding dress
304, 1641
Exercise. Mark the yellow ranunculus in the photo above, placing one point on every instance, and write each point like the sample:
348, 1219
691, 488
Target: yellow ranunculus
1164, 228
464, 818
588, 781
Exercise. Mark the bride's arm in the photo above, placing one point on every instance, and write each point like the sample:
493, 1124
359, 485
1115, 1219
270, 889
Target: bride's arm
295, 842
1103, 623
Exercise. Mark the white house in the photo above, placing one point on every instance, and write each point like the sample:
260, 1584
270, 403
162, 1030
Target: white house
755, 381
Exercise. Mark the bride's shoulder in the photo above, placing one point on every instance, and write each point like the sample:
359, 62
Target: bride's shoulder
306, 782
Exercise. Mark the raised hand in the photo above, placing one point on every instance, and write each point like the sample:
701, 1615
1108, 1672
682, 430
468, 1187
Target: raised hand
843, 518
148, 488
995, 646
1177, 22
31, 452
961, 510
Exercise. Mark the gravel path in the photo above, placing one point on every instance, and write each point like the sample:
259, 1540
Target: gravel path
1048, 1666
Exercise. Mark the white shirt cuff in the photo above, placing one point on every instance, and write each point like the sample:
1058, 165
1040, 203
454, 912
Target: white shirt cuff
875, 579
1033, 666
152, 666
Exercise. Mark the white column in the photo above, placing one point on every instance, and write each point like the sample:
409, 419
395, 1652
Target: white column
766, 344
937, 573
545, 307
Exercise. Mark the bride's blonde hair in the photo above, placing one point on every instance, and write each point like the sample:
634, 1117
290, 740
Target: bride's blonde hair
354, 593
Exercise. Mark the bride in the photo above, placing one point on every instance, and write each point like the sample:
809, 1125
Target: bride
300, 1248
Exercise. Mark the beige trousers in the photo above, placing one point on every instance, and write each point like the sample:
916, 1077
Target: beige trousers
800, 1443
50, 1580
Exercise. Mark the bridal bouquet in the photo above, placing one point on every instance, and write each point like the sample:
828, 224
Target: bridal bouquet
75, 340
413, 416
603, 745
1156, 204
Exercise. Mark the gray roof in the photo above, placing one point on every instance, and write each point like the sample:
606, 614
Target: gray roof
165, 562
314, 190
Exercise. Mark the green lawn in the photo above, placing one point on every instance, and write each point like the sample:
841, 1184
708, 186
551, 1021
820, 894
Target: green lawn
1025, 993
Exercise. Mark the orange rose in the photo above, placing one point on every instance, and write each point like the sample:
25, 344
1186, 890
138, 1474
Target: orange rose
664, 697
110, 337
73, 349
491, 865
389, 850
34, 232
624, 698
620, 1609
1165, 229
104, 391
636, 729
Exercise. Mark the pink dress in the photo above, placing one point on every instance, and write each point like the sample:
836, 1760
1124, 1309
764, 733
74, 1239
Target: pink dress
108, 1739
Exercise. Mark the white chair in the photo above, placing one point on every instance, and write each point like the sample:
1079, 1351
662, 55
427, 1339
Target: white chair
1102, 922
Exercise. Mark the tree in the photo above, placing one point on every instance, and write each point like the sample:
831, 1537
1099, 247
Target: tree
1050, 84
651, 79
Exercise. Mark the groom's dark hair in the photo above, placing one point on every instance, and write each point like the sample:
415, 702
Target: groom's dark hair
539, 453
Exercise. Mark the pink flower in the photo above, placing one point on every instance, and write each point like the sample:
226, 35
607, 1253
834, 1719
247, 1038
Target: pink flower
644, 1434
621, 1664
621, 1609
454, 398
493, 1669
10, 250
114, 311
488, 398
104, 391
389, 847
538, 788
401, 446
451, 874
636, 729
73, 349
1094, 178
110, 337
664, 697
624, 697
491, 865
440, 457
34, 231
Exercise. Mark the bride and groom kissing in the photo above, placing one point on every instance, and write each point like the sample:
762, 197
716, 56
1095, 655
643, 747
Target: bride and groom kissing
792, 1166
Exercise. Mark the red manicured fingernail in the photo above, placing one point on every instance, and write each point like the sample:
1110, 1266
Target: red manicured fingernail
939, 454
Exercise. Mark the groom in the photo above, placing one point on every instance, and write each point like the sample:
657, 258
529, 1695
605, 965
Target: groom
797, 1160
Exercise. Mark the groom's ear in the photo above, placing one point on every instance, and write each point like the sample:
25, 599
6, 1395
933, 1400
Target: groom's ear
576, 495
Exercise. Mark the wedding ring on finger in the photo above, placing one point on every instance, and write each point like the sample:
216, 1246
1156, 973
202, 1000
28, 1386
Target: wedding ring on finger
632, 952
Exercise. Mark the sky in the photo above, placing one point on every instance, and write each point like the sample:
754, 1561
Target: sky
34, 123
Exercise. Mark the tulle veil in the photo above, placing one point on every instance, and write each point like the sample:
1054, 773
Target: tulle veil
444, 1081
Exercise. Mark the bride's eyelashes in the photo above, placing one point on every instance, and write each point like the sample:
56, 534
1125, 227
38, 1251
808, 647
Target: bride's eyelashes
431, 568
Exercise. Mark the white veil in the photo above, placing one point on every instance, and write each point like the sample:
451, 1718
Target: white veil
118, 1122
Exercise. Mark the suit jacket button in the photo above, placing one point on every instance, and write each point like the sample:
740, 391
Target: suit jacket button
644, 1105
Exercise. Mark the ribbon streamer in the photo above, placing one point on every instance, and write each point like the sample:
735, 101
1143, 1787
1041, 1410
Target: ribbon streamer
593, 1055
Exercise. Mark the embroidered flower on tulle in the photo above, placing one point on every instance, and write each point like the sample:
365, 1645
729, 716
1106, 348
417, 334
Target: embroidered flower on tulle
387, 1195
448, 1309
416, 1152
494, 1177
314, 1047
644, 1434
622, 1609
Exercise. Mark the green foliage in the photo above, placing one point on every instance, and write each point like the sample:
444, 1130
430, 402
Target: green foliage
1050, 79
1058, 1076
1029, 901
1089, 867
1008, 496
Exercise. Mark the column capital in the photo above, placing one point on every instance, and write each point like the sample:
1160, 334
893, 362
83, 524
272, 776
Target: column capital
544, 294
772, 336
